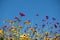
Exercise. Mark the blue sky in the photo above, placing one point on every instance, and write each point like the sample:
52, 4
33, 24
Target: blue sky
11, 8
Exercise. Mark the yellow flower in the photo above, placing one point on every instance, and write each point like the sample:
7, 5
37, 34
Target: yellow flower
47, 39
29, 38
13, 29
20, 26
27, 22
11, 21
46, 33
57, 34
10, 38
31, 28
34, 30
24, 35
25, 38
1, 31
38, 34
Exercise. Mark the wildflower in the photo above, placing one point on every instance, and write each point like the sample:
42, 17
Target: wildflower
38, 34
31, 28
57, 34
24, 35
55, 25
1, 31
13, 29
43, 25
47, 17
46, 33
20, 26
17, 19
53, 18
27, 22
22, 14
5, 27
47, 39
37, 14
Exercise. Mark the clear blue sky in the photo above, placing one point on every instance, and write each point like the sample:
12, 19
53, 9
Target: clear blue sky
11, 8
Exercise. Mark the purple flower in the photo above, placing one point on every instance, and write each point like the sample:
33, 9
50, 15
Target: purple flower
22, 14
5, 27
55, 25
43, 25
37, 14
17, 18
47, 17
53, 18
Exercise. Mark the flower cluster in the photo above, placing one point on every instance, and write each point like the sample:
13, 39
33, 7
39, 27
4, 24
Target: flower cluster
15, 31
